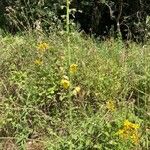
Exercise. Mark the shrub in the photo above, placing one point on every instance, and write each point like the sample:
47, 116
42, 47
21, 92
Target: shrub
24, 15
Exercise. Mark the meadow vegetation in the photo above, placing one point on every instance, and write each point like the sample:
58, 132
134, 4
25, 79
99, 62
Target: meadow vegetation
63, 90
93, 97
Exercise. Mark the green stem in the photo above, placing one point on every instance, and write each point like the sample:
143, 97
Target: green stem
68, 31
69, 58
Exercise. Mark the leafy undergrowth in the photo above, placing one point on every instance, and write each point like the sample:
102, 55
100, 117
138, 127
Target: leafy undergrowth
94, 97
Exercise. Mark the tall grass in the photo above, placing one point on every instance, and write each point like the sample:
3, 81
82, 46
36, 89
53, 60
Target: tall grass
114, 84
39, 112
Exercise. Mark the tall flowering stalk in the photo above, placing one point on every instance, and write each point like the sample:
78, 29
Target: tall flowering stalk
69, 55
68, 30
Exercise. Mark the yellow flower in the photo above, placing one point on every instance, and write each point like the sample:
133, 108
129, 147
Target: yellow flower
120, 131
135, 126
130, 125
65, 83
111, 105
73, 68
129, 131
38, 62
76, 90
123, 133
127, 124
42, 47
135, 138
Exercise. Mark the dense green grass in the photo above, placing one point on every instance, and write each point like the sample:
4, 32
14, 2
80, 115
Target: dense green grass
37, 112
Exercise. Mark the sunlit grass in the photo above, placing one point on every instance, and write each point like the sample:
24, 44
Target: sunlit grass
104, 84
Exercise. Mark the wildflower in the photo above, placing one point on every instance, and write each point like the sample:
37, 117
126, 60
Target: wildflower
110, 105
76, 90
42, 47
130, 125
73, 68
65, 83
120, 131
123, 133
135, 138
129, 131
135, 126
38, 62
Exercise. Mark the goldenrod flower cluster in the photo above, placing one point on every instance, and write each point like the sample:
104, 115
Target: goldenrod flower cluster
42, 47
73, 68
65, 83
110, 105
129, 131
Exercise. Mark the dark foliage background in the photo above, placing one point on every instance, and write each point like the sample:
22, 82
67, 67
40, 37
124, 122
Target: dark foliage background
16, 15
